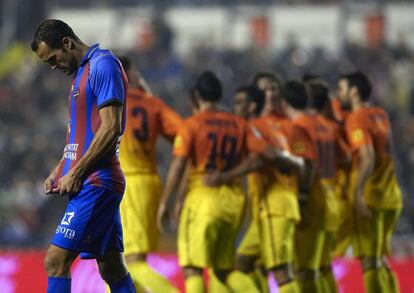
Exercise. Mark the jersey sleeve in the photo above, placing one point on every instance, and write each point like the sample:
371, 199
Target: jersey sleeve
182, 141
357, 133
301, 143
106, 81
171, 122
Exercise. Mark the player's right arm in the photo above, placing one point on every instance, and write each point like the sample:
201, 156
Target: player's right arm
171, 122
362, 145
181, 152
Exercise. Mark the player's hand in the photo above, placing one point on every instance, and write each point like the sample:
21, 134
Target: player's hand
214, 179
361, 209
162, 217
178, 207
69, 184
48, 184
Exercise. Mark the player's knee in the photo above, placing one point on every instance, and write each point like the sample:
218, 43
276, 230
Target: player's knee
245, 264
112, 267
192, 271
283, 274
136, 257
56, 265
308, 274
371, 262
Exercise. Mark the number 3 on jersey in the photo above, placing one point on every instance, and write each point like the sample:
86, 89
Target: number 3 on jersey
141, 115
222, 155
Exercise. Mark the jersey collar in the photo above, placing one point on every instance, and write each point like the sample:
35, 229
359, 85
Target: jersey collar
89, 54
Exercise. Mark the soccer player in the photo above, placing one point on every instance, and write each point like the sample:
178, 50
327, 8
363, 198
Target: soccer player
210, 218
89, 173
248, 103
331, 178
376, 194
148, 119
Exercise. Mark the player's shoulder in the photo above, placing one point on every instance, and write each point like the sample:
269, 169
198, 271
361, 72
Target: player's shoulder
103, 59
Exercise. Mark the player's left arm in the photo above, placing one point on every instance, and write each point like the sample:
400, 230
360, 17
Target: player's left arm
104, 142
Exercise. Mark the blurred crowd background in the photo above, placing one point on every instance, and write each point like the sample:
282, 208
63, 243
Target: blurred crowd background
33, 108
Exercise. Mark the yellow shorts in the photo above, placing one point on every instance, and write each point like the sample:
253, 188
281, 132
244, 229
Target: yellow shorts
209, 224
345, 231
309, 240
250, 244
373, 236
276, 240
139, 213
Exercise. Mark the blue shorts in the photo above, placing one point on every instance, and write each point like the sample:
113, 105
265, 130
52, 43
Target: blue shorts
92, 223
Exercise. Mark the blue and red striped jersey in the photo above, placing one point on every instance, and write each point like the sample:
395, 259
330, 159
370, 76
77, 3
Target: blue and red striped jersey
99, 81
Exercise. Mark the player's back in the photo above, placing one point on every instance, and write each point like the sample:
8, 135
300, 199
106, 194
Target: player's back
148, 118
216, 141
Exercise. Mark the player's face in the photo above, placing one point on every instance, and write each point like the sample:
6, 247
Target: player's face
241, 104
343, 92
61, 59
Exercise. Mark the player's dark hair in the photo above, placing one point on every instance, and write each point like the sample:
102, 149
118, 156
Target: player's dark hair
209, 87
126, 63
52, 32
361, 81
266, 74
254, 95
294, 93
318, 94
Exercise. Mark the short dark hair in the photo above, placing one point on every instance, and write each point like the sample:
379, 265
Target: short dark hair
126, 62
319, 95
52, 32
209, 87
254, 95
266, 74
361, 81
294, 93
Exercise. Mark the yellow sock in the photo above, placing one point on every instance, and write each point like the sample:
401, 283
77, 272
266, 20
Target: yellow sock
374, 283
194, 284
328, 282
147, 278
390, 277
240, 282
216, 286
291, 287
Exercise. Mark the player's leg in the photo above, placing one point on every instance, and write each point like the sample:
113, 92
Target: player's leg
368, 246
225, 231
390, 220
277, 236
248, 254
138, 210
57, 264
309, 245
194, 282
114, 272
327, 277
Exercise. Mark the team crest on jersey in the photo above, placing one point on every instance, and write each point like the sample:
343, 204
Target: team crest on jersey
178, 141
357, 135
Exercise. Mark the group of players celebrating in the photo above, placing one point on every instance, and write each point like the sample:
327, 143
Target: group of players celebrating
320, 177
319, 169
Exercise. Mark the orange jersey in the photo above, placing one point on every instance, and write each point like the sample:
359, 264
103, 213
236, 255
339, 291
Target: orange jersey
371, 126
148, 118
281, 133
215, 140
